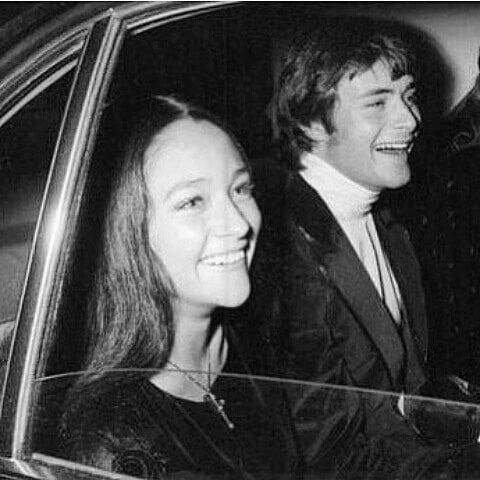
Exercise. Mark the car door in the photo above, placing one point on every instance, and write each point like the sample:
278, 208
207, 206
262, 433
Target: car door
59, 87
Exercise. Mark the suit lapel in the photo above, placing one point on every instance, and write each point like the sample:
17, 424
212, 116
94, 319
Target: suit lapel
345, 271
396, 245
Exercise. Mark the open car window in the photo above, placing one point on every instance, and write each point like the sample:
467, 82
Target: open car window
199, 58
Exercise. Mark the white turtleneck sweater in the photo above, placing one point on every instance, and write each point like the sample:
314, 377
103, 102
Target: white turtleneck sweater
351, 205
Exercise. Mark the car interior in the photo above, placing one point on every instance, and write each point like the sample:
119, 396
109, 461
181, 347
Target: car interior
224, 60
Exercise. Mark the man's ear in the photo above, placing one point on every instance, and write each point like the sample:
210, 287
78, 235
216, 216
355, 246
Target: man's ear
317, 132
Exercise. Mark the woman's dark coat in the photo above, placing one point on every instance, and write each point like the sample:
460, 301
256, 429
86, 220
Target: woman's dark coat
127, 425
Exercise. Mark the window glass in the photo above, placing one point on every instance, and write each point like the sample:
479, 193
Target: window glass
27, 142
147, 444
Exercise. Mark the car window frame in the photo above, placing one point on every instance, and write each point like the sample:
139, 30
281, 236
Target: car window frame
45, 253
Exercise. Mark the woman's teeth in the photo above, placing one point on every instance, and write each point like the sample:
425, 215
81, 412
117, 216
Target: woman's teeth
224, 259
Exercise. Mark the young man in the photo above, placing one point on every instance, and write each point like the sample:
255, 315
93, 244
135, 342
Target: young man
346, 280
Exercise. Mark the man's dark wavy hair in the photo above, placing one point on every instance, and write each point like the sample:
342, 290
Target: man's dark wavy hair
309, 69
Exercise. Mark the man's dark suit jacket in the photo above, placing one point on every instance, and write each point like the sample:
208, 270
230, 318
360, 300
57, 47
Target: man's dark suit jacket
334, 309
329, 325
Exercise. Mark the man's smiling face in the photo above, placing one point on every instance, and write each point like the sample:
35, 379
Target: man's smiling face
375, 120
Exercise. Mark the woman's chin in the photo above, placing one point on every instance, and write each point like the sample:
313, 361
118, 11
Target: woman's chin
221, 293
235, 297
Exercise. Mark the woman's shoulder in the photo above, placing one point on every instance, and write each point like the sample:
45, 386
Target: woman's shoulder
106, 400
105, 427
99, 409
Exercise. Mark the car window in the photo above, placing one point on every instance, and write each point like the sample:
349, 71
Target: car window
27, 142
201, 59
197, 58
220, 60
438, 420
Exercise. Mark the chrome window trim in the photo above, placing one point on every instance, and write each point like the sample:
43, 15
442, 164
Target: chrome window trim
46, 467
59, 466
58, 30
36, 90
23, 81
73, 142
139, 17
18, 469
148, 15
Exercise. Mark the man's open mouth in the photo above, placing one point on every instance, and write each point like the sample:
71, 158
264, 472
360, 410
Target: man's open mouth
394, 147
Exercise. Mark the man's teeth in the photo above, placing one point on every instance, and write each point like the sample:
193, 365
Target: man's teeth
225, 259
393, 146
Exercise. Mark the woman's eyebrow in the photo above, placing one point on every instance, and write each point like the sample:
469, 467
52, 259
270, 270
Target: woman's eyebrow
184, 184
240, 171
196, 181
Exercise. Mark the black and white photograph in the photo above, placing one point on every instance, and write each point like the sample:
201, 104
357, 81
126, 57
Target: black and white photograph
240, 240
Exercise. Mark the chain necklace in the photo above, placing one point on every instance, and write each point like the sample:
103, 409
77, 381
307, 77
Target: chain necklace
208, 397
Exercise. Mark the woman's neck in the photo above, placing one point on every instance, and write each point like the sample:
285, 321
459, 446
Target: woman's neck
199, 348
198, 344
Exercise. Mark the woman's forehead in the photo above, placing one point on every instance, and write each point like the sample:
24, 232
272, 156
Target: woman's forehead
191, 150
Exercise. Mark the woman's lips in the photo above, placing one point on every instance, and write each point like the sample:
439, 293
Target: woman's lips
225, 259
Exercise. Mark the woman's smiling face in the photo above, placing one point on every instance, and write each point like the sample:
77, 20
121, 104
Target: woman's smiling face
203, 220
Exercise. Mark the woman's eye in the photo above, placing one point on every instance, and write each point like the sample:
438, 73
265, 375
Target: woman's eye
245, 189
190, 203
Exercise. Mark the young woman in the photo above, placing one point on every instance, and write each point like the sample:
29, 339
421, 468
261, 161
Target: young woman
179, 236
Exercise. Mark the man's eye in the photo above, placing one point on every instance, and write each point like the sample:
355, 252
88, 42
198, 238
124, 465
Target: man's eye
245, 189
412, 98
190, 203
378, 103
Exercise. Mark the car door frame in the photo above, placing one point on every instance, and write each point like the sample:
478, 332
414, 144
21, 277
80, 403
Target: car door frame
50, 235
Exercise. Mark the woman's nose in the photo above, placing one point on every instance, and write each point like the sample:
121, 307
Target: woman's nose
231, 220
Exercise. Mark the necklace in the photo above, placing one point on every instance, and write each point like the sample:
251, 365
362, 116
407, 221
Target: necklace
217, 404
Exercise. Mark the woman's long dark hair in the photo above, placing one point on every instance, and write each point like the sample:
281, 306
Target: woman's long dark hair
130, 320
130, 315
